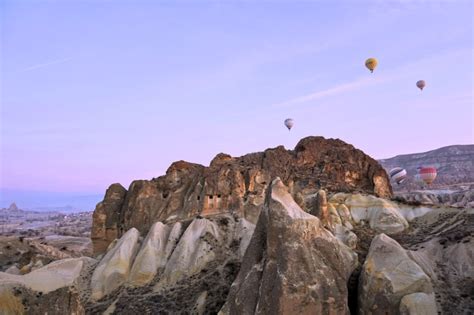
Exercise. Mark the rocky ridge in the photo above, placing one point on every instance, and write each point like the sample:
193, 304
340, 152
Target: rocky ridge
236, 185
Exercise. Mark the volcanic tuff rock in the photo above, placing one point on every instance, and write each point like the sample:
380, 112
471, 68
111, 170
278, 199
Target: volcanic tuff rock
236, 185
48, 290
389, 275
292, 265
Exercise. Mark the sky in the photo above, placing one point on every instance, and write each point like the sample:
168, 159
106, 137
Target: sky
98, 92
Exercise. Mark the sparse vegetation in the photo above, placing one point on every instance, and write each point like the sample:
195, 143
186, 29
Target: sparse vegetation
11, 305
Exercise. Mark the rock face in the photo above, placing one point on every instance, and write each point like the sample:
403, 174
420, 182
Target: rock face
382, 215
236, 185
292, 265
113, 270
193, 252
388, 275
105, 217
182, 267
154, 253
418, 304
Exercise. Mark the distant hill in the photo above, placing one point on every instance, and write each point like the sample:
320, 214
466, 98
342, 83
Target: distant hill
455, 165
49, 201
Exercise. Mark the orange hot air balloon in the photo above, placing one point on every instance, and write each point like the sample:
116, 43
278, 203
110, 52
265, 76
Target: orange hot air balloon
371, 63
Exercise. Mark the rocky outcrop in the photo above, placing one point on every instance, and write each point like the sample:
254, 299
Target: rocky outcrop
58, 274
381, 214
237, 185
52, 289
106, 217
154, 253
193, 252
292, 265
388, 275
182, 267
113, 270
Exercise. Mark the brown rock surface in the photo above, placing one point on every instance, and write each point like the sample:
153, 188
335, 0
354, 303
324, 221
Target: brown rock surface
236, 185
105, 217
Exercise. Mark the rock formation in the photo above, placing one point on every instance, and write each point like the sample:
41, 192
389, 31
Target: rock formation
236, 185
52, 289
113, 270
292, 265
389, 275
234, 238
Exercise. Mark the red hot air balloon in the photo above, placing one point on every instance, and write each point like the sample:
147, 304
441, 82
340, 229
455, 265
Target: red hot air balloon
427, 174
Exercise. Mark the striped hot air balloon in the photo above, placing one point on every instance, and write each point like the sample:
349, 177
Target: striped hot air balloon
398, 175
427, 174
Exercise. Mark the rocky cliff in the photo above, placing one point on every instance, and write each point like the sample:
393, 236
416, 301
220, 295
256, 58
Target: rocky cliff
236, 185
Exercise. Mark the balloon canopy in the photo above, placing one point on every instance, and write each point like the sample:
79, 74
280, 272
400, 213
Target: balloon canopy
427, 174
421, 84
289, 122
371, 63
398, 175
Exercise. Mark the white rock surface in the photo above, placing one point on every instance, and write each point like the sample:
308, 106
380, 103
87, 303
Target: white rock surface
381, 214
51, 277
13, 270
113, 270
152, 255
192, 253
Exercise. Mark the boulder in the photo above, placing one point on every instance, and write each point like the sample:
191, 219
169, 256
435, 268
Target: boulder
292, 264
114, 268
381, 214
418, 304
387, 276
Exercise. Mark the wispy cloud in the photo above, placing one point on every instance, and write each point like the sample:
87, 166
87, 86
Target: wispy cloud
45, 64
335, 90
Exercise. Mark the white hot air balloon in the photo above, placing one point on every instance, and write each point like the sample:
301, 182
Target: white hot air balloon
398, 175
289, 122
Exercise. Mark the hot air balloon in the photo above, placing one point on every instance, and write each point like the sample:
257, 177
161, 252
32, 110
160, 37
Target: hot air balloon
398, 175
371, 63
289, 122
427, 174
421, 84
